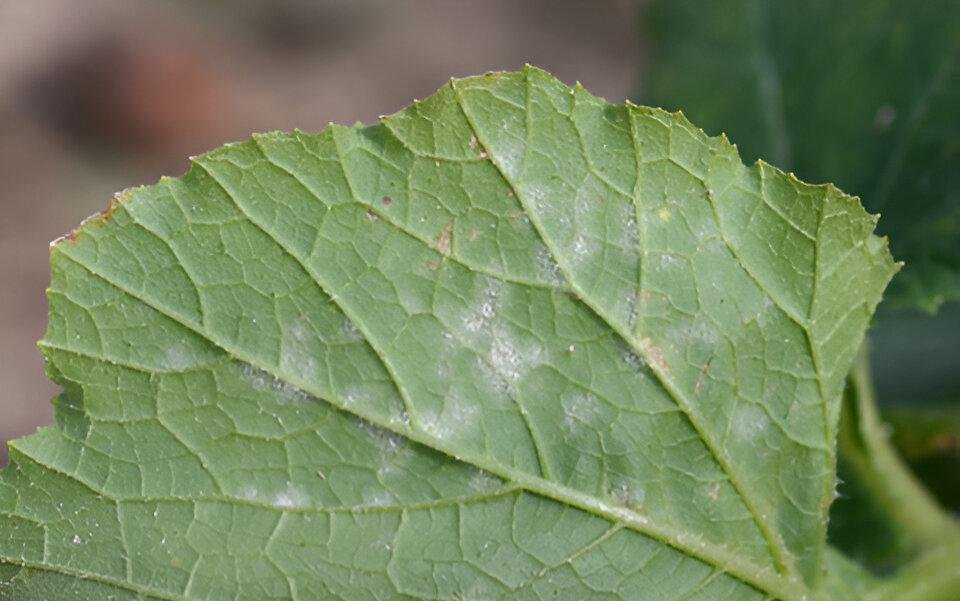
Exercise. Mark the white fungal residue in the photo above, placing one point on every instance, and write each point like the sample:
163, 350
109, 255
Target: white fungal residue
298, 350
350, 331
579, 409
353, 395
263, 381
631, 358
456, 418
766, 310
511, 357
547, 268
631, 233
484, 482
509, 149
378, 498
388, 442
700, 332
291, 497
479, 315
749, 422
629, 494
666, 261
176, 358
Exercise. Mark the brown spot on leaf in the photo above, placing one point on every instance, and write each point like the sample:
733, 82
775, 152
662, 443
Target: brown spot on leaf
473, 141
387, 201
371, 215
474, 234
443, 240
432, 265
655, 353
703, 376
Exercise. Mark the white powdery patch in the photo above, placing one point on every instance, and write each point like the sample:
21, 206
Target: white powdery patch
749, 422
631, 231
250, 493
666, 261
767, 308
401, 419
629, 494
378, 498
290, 498
176, 358
705, 232
510, 149
283, 391
353, 395
351, 331
388, 442
695, 333
511, 357
632, 359
583, 250
484, 482
482, 312
455, 419
387, 471
579, 409
547, 267
296, 356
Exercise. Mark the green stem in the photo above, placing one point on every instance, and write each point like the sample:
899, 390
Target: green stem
914, 514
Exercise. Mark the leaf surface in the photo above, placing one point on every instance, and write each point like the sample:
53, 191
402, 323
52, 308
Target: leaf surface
511, 342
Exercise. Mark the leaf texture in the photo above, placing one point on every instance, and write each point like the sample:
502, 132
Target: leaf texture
513, 342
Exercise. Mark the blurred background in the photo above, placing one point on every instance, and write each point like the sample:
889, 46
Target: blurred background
100, 95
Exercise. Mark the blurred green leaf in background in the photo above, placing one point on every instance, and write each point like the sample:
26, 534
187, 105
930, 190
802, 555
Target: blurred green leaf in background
861, 93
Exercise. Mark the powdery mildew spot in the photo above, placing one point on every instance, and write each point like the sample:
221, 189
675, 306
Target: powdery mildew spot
176, 358
456, 418
378, 498
484, 482
290, 498
262, 381
388, 442
482, 312
512, 357
749, 422
579, 409
350, 331
547, 268
629, 494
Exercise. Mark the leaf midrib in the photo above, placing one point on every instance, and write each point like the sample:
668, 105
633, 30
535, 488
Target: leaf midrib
774, 542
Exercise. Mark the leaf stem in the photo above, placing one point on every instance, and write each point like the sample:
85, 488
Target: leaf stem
914, 514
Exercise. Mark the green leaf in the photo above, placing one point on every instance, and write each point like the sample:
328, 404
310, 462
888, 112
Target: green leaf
861, 93
511, 342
